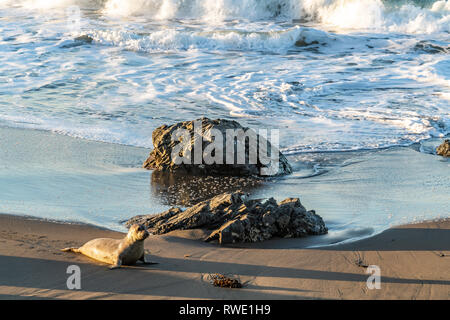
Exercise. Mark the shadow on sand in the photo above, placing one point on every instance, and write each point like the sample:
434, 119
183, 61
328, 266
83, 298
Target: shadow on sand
168, 278
395, 239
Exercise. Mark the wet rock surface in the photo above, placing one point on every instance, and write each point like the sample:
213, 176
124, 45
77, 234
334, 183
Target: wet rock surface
444, 149
179, 189
203, 134
233, 217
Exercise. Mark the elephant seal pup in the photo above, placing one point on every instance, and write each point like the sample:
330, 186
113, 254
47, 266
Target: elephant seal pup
117, 252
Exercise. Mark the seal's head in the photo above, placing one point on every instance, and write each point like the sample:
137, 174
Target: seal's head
137, 232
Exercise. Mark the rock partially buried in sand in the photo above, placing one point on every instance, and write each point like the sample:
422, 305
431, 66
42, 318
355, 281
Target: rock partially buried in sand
220, 280
444, 149
208, 138
235, 218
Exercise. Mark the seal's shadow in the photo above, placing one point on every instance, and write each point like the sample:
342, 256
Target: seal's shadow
181, 189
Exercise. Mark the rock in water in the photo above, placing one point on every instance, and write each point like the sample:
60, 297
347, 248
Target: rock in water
444, 149
235, 218
223, 147
84, 38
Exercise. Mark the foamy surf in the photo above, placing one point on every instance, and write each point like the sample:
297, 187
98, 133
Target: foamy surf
277, 41
399, 16
332, 76
335, 75
344, 15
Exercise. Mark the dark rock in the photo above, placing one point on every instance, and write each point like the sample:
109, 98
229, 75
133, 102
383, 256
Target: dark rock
235, 218
302, 43
84, 38
444, 149
201, 134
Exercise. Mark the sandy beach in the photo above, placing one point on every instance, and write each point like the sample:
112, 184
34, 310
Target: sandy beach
114, 111
101, 184
414, 261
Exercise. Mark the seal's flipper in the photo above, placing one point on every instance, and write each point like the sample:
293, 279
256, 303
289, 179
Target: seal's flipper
117, 265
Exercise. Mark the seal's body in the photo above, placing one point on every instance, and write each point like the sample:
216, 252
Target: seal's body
116, 252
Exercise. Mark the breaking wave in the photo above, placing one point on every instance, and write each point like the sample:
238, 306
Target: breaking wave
417, 16
174, 40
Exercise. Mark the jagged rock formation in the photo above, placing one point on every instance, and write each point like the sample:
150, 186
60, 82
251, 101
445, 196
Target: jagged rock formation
444, 149
205, 146
235, 218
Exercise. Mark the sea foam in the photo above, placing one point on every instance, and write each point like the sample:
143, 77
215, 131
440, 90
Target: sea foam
388, 15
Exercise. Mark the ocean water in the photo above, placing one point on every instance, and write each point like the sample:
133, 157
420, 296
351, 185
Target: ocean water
332, 75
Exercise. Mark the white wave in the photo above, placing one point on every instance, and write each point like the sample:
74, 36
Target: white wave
342, 14
345, 13
390, 16
52, 4
212, 10
172, 39
380, 15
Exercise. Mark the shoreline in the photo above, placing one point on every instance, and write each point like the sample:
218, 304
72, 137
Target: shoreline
307, 242
118, 112
414, 261
64, 185
74, 180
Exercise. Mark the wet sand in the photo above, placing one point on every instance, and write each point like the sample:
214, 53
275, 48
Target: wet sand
358, 194
414, 261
